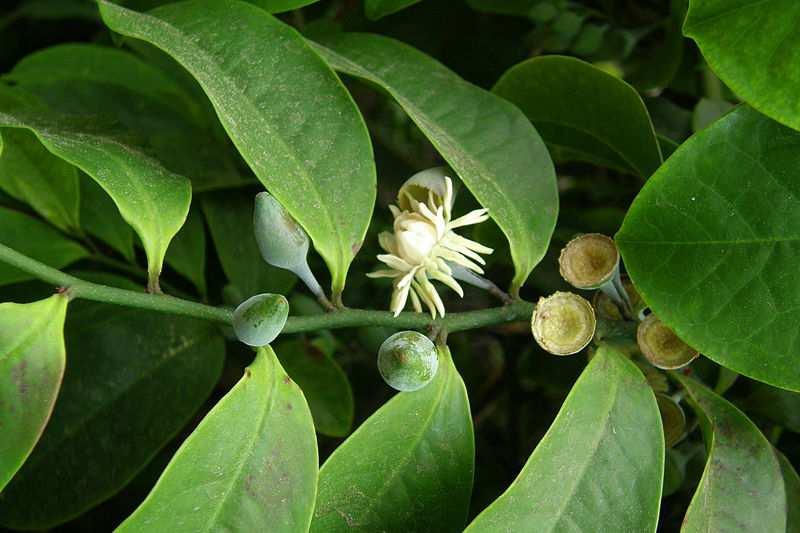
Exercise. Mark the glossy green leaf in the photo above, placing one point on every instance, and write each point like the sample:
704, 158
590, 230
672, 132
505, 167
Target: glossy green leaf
151, 110
712, 243
377, 9
230, 220
187, 252
31, 367
488, 142
150, 198
100, 218
134, 378
250, 465
279, 6
600, 465
35, 239
791, 484
31, 174
742, 486
286, 112
408, 467
323, 382
763, 72
584, 113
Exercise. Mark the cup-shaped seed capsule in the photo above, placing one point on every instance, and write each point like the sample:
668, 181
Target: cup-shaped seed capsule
259, 319
563, 323
589, 261
673, 419
408, 361
661, 346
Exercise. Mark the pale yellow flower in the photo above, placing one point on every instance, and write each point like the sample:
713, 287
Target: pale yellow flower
423, 244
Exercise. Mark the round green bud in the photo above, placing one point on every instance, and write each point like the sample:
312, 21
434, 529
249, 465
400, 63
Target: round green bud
408, 361
259, 319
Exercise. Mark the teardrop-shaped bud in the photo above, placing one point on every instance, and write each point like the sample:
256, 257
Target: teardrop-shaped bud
563, 323
661, 346
259, 319
589, 261
281, 240
408, 361
673, 419
422, 185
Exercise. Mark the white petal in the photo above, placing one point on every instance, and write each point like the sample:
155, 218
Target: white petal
399, 298
458, 259
394, 262
384, 274
473, 217
425, 297
467, 243
447, 280
415, 300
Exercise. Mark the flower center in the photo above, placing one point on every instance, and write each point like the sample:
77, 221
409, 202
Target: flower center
415, 239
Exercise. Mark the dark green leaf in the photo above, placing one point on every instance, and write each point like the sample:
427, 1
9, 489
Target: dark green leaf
187, 252
279, 6
742, 486
791, 483
35, 239
251, 464
285, 110
324, 384
712, 243
487, 141
230, 220
600, 465
133, 380
31, 368
100, 218
584, 113
776, 405
31, 174
149, 197
376, 9
763, 69
408, 467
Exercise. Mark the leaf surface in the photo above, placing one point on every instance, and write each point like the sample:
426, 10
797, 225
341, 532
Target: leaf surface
742, 485
600, 465
32, 359
408, 467
284, 109
377, 9
712, 243
487, 141
584, 113
134, 378
250, 464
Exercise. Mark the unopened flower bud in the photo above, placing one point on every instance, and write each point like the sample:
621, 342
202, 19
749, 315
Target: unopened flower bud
673, 419
408, 361
563, 323
424, 186
661, 346
259, 319
282, 242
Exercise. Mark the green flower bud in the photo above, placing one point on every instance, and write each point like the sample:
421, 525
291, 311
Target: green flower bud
408, 361
661, 346
673, 419
281, 240
563, 323
259, 319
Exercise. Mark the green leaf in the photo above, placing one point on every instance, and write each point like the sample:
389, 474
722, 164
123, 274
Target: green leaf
31, 174
251, 464
100, 218
230, 220
37, 240
707, 111
31, 367
279, 6
134, 379
791, 483
584, 113
323, 382
742, 487
712, 243
377, 9
150, 109
286, 112
764, 71
408, 467
776, 405
187, 253
487, 141
149, 197
600, 465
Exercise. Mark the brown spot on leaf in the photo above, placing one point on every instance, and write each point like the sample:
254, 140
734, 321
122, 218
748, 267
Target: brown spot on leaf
287, 379
18, 375
289, 407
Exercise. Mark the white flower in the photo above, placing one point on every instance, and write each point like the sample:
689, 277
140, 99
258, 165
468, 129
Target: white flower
423, 243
